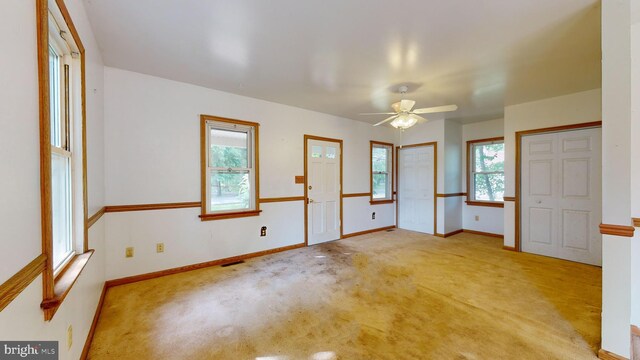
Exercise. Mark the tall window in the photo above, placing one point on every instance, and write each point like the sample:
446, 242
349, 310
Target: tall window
231, 168
62, 138
486, 171
62, 156
381, 172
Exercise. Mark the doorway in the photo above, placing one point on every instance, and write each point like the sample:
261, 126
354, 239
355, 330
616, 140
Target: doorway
322, 189
416, 194
561, 194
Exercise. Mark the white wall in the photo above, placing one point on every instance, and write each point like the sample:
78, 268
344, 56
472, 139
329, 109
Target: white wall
452, 176
490, 219
569, 109
22, 320
20, 239
19, 142
152, 138
616, 174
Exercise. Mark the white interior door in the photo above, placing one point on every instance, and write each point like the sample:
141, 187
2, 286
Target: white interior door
562, 195
323, 191
416, 189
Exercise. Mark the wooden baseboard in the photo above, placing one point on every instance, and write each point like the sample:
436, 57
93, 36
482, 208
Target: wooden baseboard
448, 234
484, 233
606, 355
344, 236
152, 275
509, 248
94, 323
459, 231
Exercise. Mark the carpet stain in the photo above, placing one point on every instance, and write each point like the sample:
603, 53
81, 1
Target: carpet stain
388, 295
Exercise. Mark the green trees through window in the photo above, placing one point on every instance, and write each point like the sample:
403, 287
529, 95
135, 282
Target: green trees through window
488, 171
381, 167
230, 170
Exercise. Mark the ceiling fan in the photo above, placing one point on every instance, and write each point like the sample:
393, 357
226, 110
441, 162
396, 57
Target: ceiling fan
403, 117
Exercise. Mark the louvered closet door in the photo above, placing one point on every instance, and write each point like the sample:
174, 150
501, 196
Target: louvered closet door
561, 195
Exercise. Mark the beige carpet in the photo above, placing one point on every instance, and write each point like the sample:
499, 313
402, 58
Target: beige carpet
388, 295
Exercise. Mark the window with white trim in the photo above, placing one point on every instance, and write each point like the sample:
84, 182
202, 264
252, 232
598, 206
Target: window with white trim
231, 174
62, 155
381, 171
486, 171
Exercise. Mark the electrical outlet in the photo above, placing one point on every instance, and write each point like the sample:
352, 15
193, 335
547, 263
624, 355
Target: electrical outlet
69, 337
373, 215
477, 217
263, 231
128, 252
160, 247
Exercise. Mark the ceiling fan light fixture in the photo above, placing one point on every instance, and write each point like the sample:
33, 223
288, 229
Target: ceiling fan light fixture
404, 121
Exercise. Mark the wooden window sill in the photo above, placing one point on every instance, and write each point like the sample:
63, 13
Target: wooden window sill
380, 202
485, 203
64, 282
230, 215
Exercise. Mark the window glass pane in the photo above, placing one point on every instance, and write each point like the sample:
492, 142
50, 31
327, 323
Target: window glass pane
316, 151
61, 207
379, 159
489, 187
54, 98
230, 190
489, 157
228, 149
380, 182
331, 152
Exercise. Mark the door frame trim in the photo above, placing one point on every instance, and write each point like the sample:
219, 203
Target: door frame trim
306, 180
435, 181
519, 135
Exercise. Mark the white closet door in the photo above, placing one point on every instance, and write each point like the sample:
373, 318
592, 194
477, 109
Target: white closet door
561, 195
416, 189
323, 192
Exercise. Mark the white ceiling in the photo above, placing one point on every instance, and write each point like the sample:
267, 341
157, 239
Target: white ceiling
344, 57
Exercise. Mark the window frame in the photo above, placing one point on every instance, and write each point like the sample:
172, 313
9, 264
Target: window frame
65, 148
471, 144
55, 30
206, 122
390, 163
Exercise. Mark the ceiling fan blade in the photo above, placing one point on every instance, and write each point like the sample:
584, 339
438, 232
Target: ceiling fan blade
406, 105
419, 118
396, 107
436, 109
386, 120
390, 113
